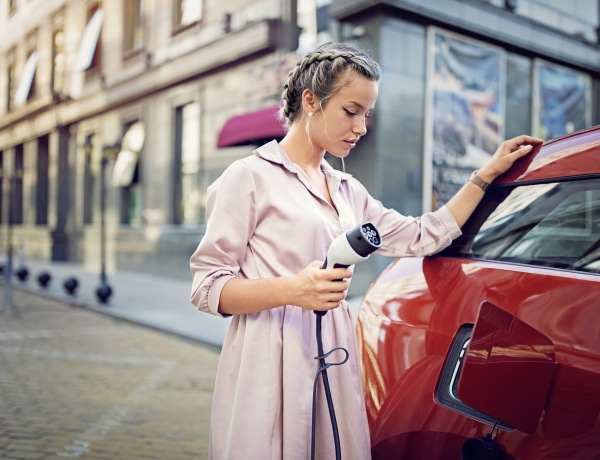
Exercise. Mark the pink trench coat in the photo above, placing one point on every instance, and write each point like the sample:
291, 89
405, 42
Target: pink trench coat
266, 219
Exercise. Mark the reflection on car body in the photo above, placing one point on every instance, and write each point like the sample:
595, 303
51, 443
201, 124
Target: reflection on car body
499, 333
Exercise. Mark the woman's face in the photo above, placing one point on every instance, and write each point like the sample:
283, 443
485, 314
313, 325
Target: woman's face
338, 127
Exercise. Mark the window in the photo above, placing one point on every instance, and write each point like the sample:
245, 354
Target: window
11, 80
26, 90
187, 12
518, 95
550, 225
131, 190
323, 17
89, 54
131, 202
41, 189
97, 57
577, 18
133, 26
58, 56
561, 101
187, 206
32, 58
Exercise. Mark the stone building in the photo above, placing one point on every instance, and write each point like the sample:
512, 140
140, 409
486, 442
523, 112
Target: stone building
116, 115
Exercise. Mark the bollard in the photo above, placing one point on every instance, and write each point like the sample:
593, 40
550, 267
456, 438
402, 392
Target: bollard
44, 279
71, 284
22, 273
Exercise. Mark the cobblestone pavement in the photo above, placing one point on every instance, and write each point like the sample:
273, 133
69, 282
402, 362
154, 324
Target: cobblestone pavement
79, 384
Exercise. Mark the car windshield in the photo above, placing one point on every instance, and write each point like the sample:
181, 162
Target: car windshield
551, 224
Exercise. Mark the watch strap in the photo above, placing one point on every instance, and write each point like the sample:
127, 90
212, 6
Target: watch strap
483, 185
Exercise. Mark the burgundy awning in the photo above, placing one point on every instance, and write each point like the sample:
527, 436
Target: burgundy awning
252, 128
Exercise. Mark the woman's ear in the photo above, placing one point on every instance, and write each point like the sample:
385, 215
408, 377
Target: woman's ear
310, 102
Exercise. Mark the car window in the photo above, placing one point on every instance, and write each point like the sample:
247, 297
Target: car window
552, 225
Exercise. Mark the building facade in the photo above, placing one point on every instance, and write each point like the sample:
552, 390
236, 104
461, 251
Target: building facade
116, 115
77, 75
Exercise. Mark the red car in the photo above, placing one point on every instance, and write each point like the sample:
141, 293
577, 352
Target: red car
491, 348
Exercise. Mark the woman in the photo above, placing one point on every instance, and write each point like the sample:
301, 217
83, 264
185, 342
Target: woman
271, 218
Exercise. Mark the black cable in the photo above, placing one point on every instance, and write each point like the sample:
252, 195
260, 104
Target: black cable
348, 248
322, 370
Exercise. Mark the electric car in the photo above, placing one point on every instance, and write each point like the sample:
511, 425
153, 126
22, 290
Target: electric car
491, 348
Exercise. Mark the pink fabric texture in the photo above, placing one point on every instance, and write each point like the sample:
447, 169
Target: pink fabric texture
266, 219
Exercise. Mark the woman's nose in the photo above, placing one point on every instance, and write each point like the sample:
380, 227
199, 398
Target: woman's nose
360, 128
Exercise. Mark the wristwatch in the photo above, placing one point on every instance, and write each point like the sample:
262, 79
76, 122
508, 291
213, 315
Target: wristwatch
483, 185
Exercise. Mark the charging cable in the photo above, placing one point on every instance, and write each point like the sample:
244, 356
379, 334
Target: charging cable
349, 248
322, 371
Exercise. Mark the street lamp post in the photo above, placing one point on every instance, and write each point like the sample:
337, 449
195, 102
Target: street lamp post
104, 291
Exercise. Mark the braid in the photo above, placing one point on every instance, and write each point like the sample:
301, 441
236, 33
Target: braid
320, 72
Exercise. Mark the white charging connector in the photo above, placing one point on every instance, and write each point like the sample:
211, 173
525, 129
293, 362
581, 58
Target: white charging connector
353, 247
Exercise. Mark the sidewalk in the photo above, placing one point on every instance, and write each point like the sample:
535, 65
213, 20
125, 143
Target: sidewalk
157, 302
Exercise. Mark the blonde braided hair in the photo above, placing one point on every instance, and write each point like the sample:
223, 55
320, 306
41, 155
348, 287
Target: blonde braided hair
321, 72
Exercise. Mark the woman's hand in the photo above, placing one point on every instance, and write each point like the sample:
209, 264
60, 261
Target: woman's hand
509, 151
464, 202
315, 288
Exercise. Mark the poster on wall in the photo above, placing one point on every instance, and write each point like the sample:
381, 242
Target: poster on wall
562, 100
465, 111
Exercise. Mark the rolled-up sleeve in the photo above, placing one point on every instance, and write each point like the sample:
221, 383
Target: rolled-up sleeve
231, 217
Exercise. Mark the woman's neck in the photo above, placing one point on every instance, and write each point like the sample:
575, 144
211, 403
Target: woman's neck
300, 151
308, 160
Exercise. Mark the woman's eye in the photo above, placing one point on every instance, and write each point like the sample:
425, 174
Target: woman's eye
350, 113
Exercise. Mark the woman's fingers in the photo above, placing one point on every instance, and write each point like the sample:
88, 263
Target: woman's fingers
509, 151
321, 289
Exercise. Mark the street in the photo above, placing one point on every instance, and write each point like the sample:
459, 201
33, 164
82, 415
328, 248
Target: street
75, 383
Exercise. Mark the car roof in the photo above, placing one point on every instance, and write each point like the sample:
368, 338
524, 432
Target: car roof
573, 155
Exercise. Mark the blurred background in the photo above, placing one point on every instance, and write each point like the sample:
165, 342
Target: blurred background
116, 115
